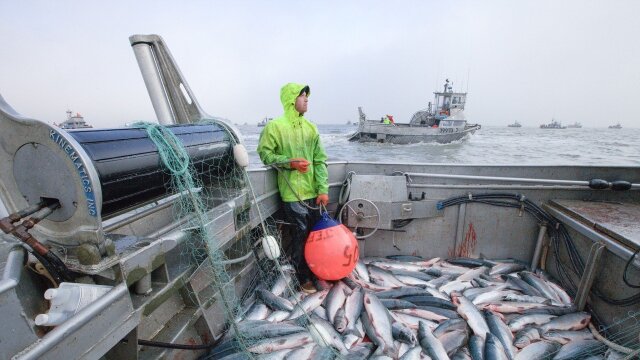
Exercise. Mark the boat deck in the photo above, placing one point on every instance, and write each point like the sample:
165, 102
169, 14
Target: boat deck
617, 220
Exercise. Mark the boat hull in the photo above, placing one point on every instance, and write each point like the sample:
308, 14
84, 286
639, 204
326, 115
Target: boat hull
411, 134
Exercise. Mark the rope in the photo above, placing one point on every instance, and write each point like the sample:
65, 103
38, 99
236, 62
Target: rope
286, 179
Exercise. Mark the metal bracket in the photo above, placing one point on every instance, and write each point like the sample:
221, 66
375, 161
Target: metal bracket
589, 275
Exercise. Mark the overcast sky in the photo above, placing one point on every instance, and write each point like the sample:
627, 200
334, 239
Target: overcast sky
520, 60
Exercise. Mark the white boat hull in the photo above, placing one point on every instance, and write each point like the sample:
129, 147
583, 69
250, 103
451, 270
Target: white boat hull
405, 134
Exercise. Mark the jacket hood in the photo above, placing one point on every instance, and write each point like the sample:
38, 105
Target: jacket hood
288, 95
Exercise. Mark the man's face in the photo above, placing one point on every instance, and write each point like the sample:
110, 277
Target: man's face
301, 103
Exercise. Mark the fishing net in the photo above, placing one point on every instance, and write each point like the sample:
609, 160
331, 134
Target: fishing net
219, 262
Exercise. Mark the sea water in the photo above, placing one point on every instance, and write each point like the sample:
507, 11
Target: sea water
490, 145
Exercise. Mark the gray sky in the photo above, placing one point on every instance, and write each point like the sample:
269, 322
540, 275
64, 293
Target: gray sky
524, 60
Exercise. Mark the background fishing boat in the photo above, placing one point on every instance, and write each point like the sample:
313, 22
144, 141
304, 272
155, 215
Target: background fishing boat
554, 124
442, 122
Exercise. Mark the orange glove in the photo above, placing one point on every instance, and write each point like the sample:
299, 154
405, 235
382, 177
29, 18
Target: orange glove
322, 199
299, 164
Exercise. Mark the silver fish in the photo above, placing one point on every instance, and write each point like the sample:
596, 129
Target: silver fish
402, 348
402, 333
383, 277
284, 342
461, 354
436, 293
575, 321
456, 285
281, 284
412, 321
579, 349
301, 352
474, 292
412, 354
430, 344
352, 309
322, 353
505, 268
388, 265
308, 304
449, 325
525, 337
537, 351
361, 352
257, 312
276, 355
491, 296
493, 349
540, 285
379, 319
350, 340
340, 321
473, 273
325, 334
527, 298
447, 268
416, 274
512, 307
270, 330
321, 312
273, 301
469, 312
502, 332
514, 282
364, 284
565, 336
564, 297
335, 299
518, 323
400, 292
278, 316
476, 347
361, 271
412, 281
454, 340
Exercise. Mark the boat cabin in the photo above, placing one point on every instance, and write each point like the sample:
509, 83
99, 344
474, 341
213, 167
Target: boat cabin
447, 100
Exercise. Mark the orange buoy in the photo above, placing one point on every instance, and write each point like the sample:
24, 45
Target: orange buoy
331, 250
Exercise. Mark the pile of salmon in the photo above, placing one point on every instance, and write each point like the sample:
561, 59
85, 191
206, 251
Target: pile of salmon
406, 307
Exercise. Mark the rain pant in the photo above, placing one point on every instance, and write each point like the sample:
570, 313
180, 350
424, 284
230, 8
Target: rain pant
302, 220
292, 136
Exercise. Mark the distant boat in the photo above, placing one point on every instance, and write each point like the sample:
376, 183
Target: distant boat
264, 121
515, 124
74, 122
554, 124
616, 126
575, 125
443, 121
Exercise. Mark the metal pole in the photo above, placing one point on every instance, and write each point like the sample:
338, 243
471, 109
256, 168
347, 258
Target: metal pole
507, 179
150, 74
462, 209
536, 254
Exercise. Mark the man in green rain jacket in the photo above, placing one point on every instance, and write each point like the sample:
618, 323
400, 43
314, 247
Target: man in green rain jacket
293, 144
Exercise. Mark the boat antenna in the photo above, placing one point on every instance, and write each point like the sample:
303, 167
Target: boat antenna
468, 71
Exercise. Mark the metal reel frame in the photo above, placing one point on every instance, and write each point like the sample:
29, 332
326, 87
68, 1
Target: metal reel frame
361, 213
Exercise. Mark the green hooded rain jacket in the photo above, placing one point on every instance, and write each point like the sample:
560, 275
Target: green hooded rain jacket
292, 136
